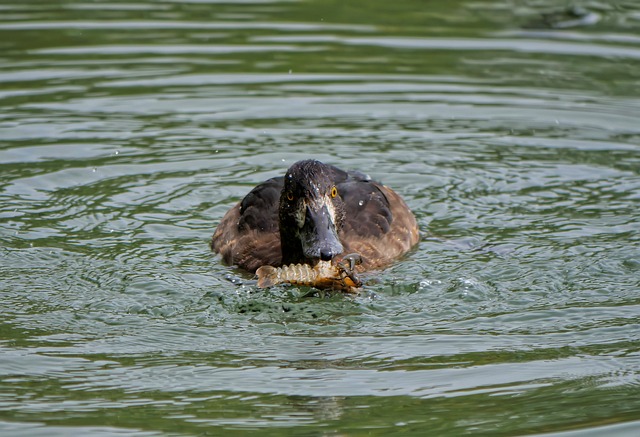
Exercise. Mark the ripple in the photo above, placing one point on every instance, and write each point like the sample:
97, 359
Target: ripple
164, 49
127, 136
151, 24
545, 46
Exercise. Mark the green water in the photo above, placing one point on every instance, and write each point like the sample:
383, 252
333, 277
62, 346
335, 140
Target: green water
127, 129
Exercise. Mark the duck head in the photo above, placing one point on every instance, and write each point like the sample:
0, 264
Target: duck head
311, 213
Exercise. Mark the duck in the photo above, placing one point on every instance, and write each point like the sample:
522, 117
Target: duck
316, 212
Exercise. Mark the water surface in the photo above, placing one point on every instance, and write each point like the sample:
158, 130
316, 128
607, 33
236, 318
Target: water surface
128, 129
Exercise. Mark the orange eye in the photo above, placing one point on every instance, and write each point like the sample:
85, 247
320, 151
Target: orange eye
289, 196
334, 192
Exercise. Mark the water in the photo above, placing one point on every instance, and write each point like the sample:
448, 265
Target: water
511, 129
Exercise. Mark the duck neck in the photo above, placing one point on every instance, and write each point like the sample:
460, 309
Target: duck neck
290, 243
291, 246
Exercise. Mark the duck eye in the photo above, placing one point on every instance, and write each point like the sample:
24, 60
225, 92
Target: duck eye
334, 192
289, 196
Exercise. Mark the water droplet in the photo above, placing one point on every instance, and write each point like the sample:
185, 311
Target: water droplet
429, 283
117, 152
94, 169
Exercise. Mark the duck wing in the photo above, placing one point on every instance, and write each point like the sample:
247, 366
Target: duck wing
248, 235
379, 226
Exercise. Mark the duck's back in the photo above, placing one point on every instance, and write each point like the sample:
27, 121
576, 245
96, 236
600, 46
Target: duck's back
378, 224
248, 235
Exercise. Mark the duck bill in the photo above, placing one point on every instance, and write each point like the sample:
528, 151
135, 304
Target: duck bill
319, 236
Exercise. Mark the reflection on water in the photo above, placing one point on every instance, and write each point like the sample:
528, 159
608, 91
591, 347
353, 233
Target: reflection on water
128, 129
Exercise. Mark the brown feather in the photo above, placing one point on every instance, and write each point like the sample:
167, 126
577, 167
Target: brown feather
377, 223
247, 248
